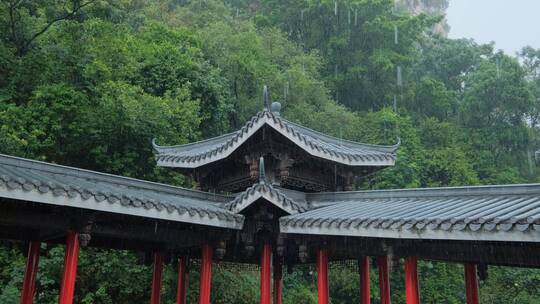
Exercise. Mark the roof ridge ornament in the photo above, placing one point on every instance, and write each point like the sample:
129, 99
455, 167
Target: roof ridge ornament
262, 174
276, 108
266, 103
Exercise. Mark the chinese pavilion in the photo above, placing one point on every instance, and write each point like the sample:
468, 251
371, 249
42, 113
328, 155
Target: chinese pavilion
275, 194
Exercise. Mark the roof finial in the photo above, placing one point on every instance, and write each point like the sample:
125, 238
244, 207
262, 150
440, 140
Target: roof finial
262, 175
265, 98
275, 108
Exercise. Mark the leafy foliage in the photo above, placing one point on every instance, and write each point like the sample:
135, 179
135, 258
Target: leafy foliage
90, 83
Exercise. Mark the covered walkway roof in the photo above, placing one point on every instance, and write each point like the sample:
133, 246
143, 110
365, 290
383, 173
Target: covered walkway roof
34, 181
483, 213
509, 213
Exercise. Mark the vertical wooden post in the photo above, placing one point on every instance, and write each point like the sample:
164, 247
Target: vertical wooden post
29, 282
278, 273
181, 290
266, 274
363, 265
322, 276
471, 284
384, 279
412, 295
206, 274
155, 297
67, 289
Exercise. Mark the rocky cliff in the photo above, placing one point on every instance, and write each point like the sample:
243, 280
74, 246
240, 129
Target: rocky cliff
430, 7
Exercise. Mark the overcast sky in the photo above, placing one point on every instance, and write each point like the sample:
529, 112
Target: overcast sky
511, 24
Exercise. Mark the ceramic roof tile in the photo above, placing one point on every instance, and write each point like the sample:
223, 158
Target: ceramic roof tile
29, 180
510, 213
268, 192
264, 190
315, 143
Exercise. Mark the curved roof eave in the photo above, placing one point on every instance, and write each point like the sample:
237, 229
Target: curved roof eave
317, 144
33, 181
480, 213
266, 191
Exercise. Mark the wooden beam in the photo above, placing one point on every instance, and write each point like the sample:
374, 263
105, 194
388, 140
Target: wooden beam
49, 223
514, 254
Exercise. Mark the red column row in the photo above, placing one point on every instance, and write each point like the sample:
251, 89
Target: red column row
266, 276
181, 291
411, 281
411, 277
67, 287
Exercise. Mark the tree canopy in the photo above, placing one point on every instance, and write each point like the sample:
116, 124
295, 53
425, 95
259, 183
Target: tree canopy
90, 83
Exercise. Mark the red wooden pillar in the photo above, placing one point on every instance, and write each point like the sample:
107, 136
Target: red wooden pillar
181, 291
278, 269
471, 284
266, 274
67, 289
155, 297
206, 274
384, 279
322, 276
411, 280
363, 265
29, 283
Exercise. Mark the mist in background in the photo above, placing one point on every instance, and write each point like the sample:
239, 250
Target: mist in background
511, 24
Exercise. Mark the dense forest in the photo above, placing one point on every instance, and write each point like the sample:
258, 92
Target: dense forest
89, 83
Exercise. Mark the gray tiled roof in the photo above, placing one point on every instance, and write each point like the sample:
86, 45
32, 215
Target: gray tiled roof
315, 143
41, 182
496, 213
486, 213
266, 191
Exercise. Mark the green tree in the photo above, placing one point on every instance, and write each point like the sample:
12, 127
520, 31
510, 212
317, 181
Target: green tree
497, 100
449, 61
356, 38
90, 83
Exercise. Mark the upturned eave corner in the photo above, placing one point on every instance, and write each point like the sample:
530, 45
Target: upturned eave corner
316, 144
